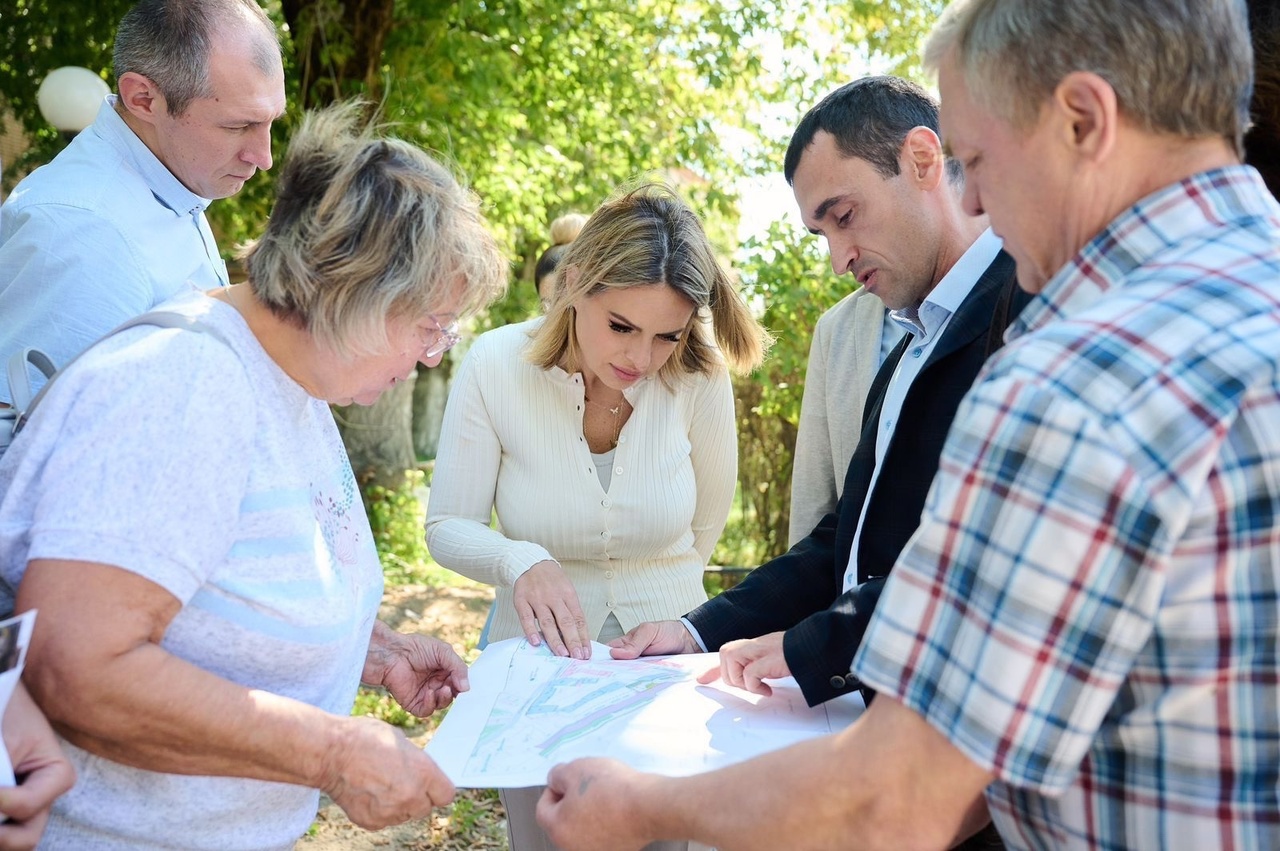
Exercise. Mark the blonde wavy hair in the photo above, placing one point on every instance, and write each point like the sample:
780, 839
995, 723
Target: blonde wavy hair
645, 237
365, 229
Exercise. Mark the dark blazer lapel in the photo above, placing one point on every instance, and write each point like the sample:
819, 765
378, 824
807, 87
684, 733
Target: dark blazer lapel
973, 318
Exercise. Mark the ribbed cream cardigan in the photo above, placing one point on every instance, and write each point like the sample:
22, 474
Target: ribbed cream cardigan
512, 441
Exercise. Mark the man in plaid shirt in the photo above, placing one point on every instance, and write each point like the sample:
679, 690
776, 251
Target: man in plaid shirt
1086, 625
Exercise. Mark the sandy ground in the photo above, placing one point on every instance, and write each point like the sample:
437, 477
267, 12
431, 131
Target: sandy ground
474, 821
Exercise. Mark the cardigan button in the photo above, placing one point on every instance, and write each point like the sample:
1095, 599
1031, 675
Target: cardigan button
837, 681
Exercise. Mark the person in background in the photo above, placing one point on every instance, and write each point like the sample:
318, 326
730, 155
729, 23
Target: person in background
115, 224
564, 230
603, 436
850, 342
208, 588
1081, 637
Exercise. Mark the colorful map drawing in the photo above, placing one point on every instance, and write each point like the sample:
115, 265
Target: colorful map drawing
528, 710
560, 702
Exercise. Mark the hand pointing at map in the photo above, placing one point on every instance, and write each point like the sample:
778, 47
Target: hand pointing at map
746, 663
548, 608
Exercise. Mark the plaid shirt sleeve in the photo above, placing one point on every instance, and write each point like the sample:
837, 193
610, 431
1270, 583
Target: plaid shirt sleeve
1018, 662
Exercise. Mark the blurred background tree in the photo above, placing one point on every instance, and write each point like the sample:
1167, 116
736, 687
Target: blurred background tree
546, 107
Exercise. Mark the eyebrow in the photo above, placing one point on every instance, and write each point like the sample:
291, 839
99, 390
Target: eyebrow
622, 320
821, 209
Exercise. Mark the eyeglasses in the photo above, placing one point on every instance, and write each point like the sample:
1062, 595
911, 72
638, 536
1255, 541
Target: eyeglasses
447, 336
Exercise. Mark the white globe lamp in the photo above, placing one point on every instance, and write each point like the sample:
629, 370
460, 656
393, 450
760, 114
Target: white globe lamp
69, 98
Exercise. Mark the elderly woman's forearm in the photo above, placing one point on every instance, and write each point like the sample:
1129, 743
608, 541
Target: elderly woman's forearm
95, 667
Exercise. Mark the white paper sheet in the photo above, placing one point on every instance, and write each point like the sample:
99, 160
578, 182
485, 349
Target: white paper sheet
15, 634
528, 710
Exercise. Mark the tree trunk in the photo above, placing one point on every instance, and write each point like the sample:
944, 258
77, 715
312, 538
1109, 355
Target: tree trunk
377, 437
338, 50
338, 47
429, 396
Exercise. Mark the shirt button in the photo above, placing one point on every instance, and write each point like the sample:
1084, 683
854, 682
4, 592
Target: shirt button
915, 353
837, 681
617, 470
608, 574
605, 534
609, 604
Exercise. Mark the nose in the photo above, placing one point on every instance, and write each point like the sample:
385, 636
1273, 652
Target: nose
970, 201
641, 354
843, 255
257, 150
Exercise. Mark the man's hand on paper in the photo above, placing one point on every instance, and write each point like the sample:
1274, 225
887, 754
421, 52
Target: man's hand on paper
379, 777
747, 662
422, 673
548, 608
654, 638
589, 804
41, 767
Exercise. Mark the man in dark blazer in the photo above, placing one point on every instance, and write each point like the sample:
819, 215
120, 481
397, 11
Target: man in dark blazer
862, 162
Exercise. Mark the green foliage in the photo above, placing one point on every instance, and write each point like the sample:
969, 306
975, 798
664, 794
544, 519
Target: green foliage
790, 278
738, 545
397, 518
547, 107
37, 36
378, 704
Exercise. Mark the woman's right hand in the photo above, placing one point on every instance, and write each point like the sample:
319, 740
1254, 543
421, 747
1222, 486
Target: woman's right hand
380, 778
547, 605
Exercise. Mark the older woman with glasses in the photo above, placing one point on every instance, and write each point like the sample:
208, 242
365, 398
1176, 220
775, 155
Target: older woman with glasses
181, 511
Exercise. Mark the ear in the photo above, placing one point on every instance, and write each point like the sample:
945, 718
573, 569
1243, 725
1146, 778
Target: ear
922, 159
571, 275
1089, 114
141, 97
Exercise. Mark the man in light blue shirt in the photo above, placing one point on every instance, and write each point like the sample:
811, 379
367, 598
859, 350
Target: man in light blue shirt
115, 224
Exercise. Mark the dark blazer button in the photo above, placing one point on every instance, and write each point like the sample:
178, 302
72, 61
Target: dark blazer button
837, 681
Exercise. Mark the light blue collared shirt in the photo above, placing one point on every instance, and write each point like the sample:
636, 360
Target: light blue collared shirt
931, 321
99, 235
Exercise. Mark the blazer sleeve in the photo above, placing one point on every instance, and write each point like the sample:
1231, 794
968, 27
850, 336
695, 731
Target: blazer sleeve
819, 650
776, 595
465, 480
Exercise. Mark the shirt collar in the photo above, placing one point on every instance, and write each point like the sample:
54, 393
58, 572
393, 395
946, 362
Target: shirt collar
167, 188
1185, 211
955, 286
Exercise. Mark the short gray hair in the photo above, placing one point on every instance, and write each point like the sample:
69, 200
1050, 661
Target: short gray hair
366, 229
1177, 66
168, 42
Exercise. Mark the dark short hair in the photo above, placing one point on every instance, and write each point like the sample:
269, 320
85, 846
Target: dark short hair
870, 119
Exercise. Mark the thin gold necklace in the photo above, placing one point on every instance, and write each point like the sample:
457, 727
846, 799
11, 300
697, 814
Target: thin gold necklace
616, 410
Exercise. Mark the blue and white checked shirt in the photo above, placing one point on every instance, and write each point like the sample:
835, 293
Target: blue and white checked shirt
1090, 608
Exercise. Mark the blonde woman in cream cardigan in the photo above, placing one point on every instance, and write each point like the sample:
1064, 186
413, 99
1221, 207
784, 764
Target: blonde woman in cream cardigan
603, 435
